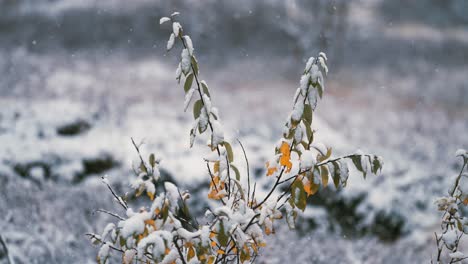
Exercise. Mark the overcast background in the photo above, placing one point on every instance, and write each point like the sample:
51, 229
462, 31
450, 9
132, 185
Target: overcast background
78, 78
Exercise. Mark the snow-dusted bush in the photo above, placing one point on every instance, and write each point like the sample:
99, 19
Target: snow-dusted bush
232, 231
453, 225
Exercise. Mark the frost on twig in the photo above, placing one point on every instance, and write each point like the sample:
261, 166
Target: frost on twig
234, 228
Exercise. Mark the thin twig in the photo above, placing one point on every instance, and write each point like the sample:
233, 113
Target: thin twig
180, 251
118, 198
138, 151
248, 169
93, 236
110, 213
9, 259
253, 192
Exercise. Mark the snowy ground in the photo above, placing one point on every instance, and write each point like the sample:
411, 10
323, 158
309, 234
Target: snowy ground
66, 118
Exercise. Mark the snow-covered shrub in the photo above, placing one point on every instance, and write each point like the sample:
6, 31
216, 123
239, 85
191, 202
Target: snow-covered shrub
454, 225
233, 230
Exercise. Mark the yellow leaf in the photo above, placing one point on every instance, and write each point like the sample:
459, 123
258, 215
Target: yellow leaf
234, 250
255, 249
188, 244
267, 230
245, 254
220, 252
140, 190
285, 159
150, 195
213, 244
211, 260
465, 202
216, 167
321, 157
324, 174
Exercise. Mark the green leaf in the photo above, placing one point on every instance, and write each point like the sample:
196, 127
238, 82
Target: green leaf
165, 213
324, 174
205, 89
357, 162
143, 167
202, 129
309, 132
376, 165
307, 114
228, 148
222, 236
188, 82
236, 171
152, 160
299, 195
197, 107
290, 134
459, 225
336, 173
195, 64
122, 241
319, 90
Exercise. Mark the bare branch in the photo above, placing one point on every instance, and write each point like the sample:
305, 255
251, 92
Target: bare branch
110, 213
118, 198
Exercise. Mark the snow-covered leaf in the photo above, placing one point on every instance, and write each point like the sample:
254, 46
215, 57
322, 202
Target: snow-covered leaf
170, 42
164, 20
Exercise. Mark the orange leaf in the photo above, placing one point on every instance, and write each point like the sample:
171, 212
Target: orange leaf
150, 222
310, 188
285, 159
465, 202
270, 170
220, 252
191, 253
212, 234
215, 195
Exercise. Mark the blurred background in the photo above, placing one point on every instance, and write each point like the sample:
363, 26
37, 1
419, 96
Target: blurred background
78, 78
